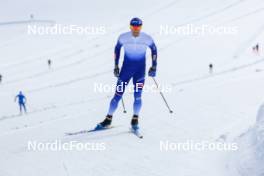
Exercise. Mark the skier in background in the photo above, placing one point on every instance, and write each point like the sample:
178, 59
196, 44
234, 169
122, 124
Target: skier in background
211, 67
257, 48
1, 78
49, 63
135, 44
21, 102
31, 16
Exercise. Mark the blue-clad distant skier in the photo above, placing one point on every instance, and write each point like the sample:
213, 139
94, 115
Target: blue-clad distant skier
135, 44
21, 102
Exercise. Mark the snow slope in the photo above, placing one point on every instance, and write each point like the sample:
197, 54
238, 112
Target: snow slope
250, 155
62, 99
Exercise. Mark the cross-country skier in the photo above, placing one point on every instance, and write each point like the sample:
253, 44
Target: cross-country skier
257, 48
135, 44
21, 102
1, 78
31, 16
211, 67
49, 63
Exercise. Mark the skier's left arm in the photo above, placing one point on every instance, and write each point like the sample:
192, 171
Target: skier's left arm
154, 53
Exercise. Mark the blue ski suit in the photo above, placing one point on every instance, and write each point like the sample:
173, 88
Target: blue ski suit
134, 66
22, 102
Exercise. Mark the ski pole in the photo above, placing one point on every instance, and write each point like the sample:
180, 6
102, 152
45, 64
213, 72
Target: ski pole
163, 97
123, 104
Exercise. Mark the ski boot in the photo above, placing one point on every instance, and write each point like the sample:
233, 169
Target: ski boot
134, 123
104, 124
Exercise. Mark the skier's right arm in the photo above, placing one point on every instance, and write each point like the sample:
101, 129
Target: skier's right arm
117, 56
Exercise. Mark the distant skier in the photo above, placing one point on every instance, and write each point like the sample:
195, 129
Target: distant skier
135, 44
31, 16
49, 63
21, 102
211, 67
256, 48
1, 78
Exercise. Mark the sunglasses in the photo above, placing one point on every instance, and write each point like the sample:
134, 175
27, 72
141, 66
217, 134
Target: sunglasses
135, 28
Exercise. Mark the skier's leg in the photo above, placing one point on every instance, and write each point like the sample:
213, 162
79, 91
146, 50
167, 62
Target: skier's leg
120, 88
138, 87
138, 81
123, 80
114, 104
20, 108
25, 109
112, 108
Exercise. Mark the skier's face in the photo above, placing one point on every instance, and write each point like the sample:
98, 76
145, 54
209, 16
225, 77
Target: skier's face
135, 30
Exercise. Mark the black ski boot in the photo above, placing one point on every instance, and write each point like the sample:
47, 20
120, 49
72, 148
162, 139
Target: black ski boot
134, 122
105, 124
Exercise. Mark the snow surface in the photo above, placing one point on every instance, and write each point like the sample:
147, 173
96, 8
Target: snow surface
221, 106
250, 156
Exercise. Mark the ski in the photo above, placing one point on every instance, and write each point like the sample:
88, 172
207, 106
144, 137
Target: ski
88, 131
136, 133
133, 131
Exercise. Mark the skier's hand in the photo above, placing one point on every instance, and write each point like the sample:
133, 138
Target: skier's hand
116, 71
152, 72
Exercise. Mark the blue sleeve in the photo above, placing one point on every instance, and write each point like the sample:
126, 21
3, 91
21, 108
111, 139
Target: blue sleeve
154, 53
117, 51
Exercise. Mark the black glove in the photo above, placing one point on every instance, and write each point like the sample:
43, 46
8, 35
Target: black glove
152, 72
116, 71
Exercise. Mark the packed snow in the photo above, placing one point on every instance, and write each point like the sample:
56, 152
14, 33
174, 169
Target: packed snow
221, 106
